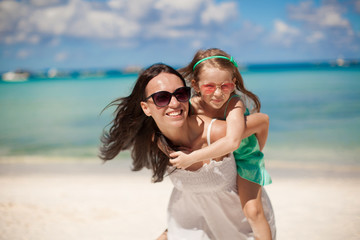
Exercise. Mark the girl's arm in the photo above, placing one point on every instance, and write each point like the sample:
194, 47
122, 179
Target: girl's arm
235, 129
257, 123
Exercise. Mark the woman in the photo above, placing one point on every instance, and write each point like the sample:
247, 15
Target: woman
154, 119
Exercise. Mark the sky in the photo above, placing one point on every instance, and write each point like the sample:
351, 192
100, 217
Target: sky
85, 34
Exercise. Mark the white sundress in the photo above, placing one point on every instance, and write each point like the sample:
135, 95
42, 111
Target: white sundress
204, 204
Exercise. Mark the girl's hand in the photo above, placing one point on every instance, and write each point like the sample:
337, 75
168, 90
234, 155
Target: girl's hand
181, 160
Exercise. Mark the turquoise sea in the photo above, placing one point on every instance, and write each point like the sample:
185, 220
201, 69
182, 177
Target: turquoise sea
314, 113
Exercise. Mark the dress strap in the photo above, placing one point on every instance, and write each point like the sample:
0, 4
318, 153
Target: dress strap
227, 104
209, 131
191, 107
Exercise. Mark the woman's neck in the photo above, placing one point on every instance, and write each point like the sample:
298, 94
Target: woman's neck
185, 135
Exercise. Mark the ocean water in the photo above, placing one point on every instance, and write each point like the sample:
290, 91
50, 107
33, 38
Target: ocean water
314, 113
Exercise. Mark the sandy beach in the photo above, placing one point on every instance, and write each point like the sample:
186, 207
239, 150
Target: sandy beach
55, 199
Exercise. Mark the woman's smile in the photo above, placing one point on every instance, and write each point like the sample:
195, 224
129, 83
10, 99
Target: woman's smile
176, 113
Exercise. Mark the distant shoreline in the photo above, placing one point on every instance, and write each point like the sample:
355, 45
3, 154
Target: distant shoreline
53, 73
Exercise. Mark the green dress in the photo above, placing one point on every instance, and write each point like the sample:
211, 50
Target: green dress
249, 159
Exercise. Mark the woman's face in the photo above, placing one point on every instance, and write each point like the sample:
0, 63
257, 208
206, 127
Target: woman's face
172, 115
215, 86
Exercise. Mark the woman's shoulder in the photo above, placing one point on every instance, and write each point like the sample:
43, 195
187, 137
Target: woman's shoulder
218, 130
215, 127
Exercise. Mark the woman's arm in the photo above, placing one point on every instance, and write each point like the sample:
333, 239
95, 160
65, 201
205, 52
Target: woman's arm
258, 124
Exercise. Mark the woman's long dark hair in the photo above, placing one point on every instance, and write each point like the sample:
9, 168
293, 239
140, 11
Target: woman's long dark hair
132, 129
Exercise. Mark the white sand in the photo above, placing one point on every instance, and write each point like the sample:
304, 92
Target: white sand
45, 199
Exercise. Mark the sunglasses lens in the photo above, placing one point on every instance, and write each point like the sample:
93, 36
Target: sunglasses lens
227, 87
162, 99
182, 94
208, 88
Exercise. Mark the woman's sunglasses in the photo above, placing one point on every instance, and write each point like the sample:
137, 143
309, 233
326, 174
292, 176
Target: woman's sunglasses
163, 98
210, 88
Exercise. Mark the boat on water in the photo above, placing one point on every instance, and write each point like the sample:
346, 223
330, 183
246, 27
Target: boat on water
17, 76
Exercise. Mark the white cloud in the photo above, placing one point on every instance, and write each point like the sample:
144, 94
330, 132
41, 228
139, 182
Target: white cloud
41, 3
283, 33
327, 15
80, 19
10, 13
184, 5
119, 21
326, 23
133, 10
173, 14
284, 29
103, 25
219, 13
315, 37
115, 4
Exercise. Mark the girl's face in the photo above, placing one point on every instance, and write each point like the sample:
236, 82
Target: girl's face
215, 86
173, 114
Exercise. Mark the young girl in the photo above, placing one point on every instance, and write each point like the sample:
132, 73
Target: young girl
214, 75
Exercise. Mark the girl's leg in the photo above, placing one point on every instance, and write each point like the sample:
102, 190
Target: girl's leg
250, 197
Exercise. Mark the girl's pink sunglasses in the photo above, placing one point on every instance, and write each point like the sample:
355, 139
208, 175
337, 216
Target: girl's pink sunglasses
211, 88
